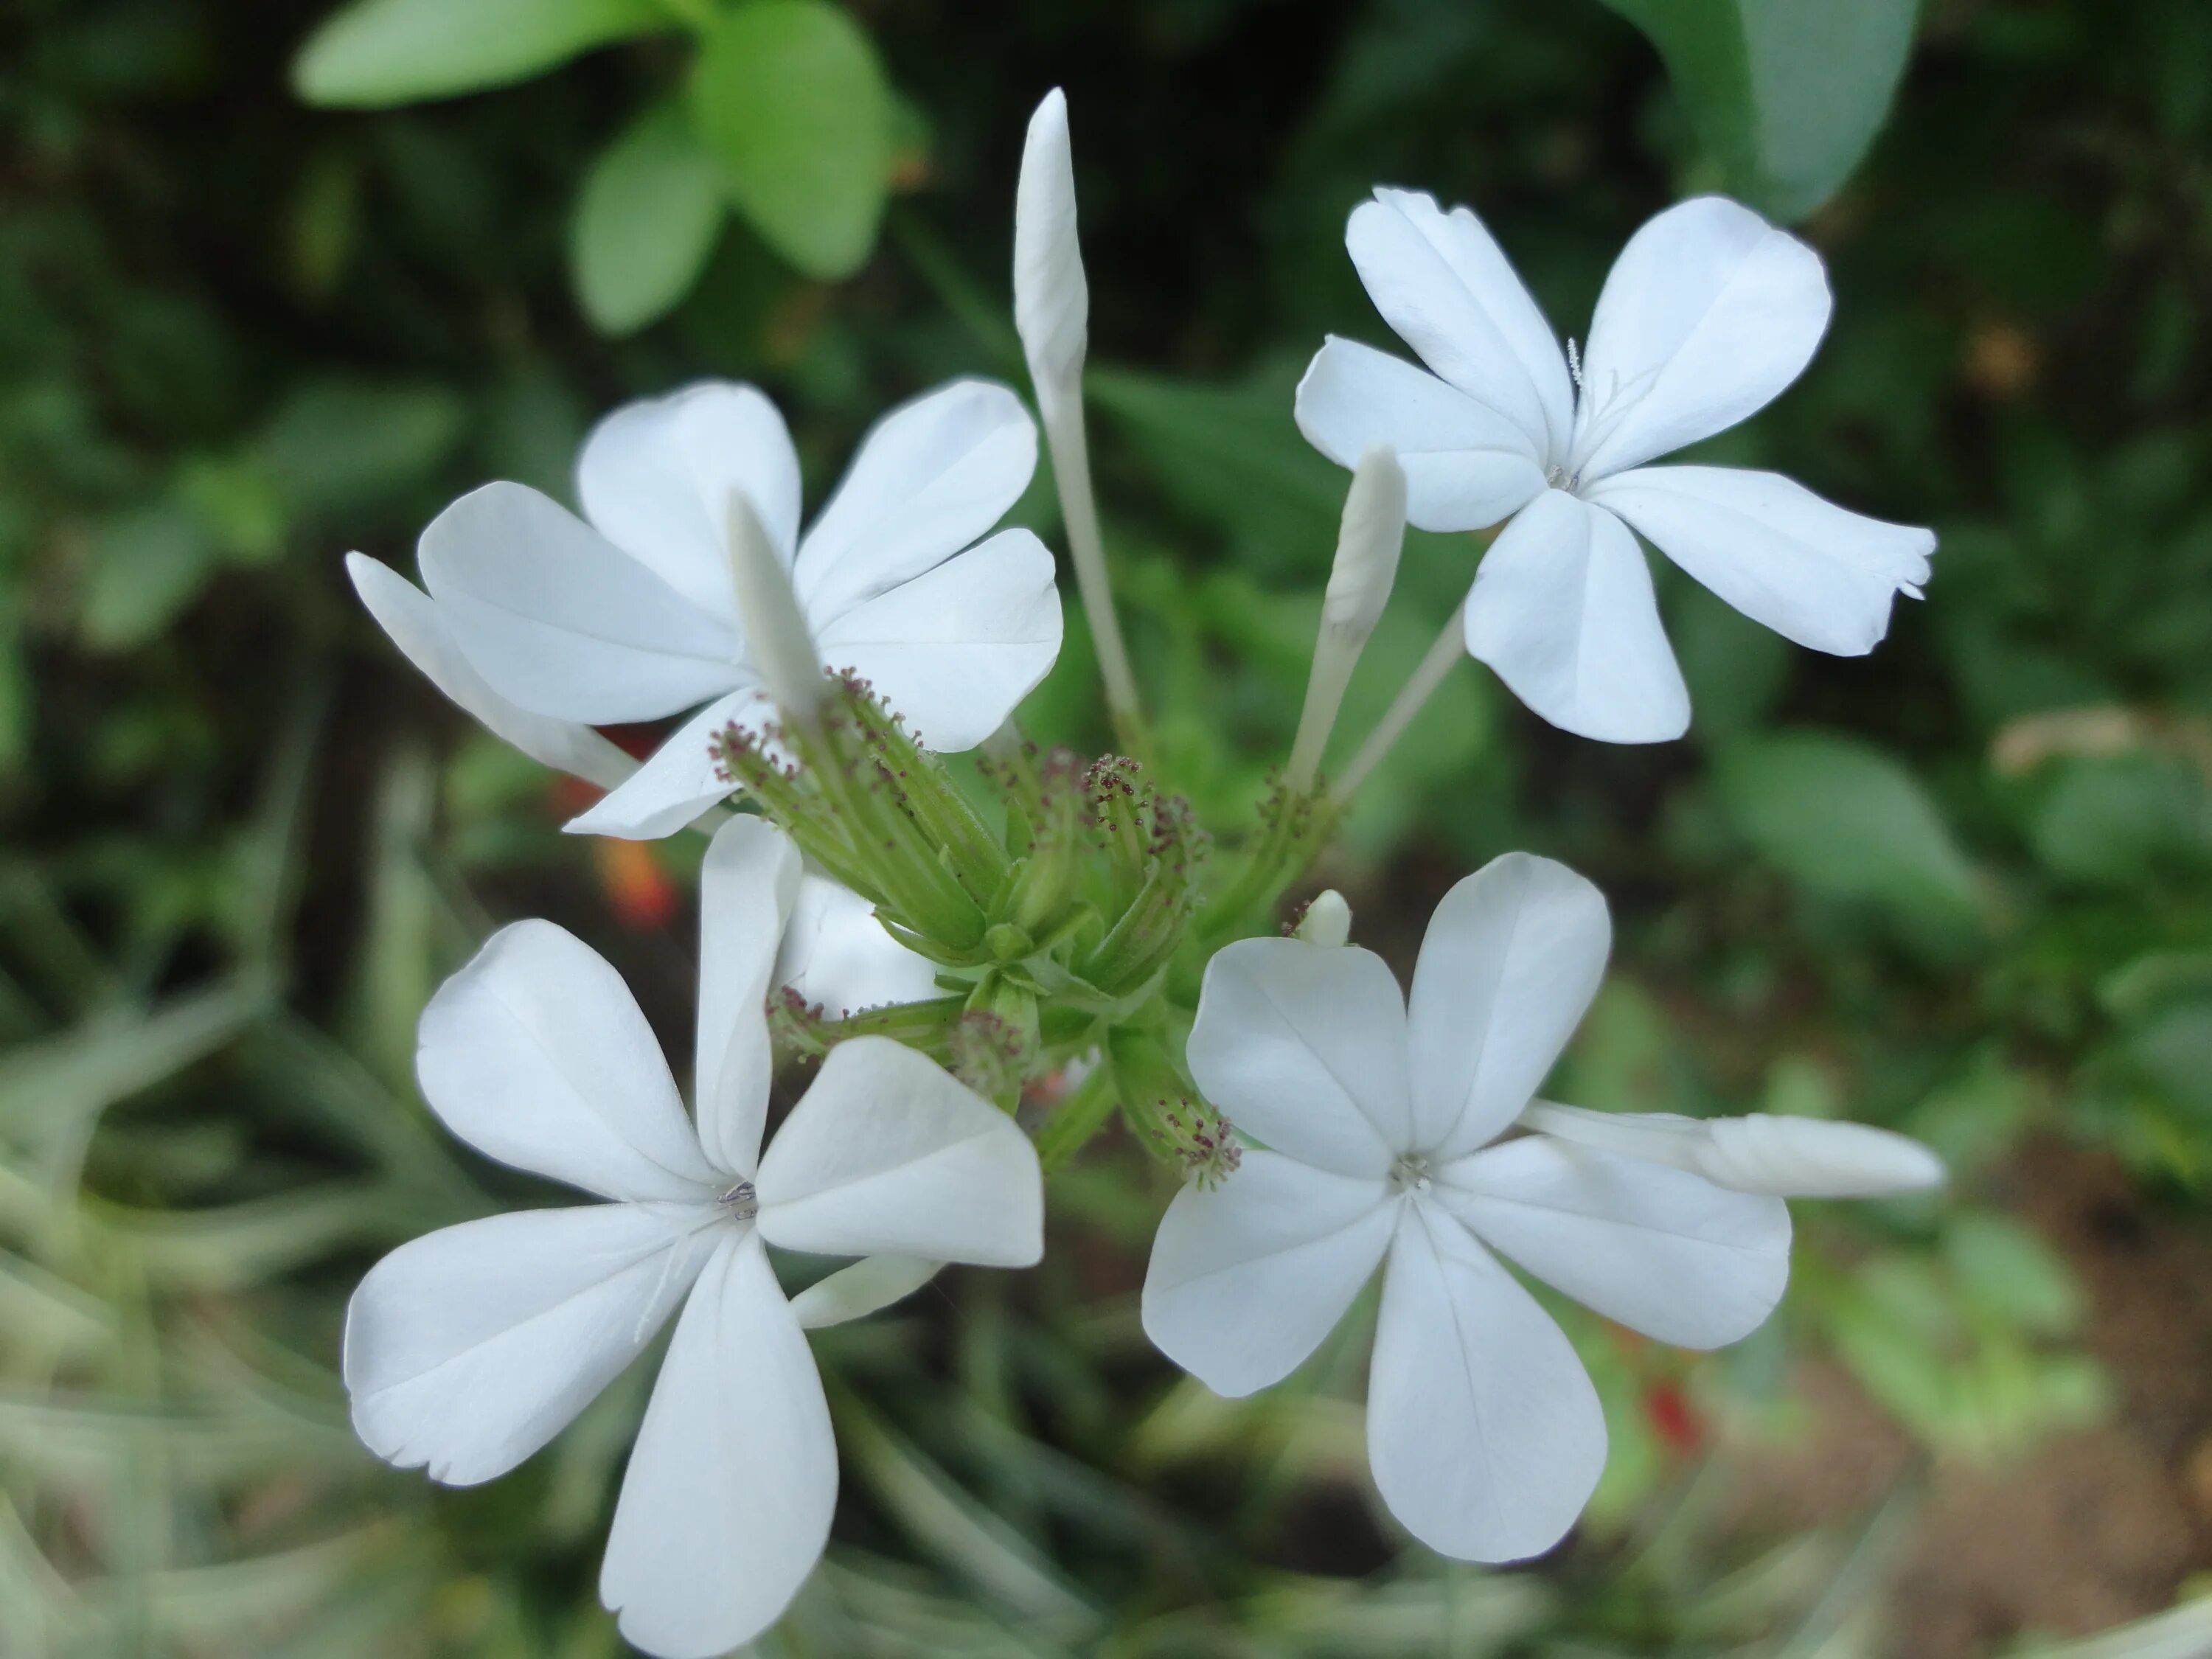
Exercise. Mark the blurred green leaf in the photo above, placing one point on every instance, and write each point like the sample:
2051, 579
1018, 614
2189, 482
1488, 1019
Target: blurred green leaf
788, 97
2108, 820
1847, 820
645, 222
1232, 457
374, 53
1787, 94
2009, 1272
146, 566
337, 445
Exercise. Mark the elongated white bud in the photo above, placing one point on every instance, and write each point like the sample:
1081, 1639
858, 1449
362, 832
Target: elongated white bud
1052, 300
777, 642
1328, 920
1772, 1156
1368, 540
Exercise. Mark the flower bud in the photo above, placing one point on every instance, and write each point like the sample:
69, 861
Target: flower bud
1367, 543
1052, 300
777, 642
1771, 1157
1368, 540
1328, 920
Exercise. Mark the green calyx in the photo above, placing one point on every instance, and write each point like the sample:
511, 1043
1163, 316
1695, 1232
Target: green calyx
1067, 905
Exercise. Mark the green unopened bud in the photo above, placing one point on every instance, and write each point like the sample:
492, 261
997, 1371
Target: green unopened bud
994, 1046
1166, 1112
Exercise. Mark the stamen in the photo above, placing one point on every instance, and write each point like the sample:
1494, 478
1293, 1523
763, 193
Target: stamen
1410, 1174
741, 1202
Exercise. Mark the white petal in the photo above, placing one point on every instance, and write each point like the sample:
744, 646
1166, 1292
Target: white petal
1513, 956
1247, 1279
681, 780
412, 619
747, 886
1782, 1156
1809, 570
1052, 300
1304, 1047
889, 1154
1483, 1428
1466, 465
1663, 1252
467, 1350
727, 1504
1443, 283
1563, 609
1708, 313
931, 477
561, 621
864, 1287
957, 647
837, 955
656, 478
536, 1055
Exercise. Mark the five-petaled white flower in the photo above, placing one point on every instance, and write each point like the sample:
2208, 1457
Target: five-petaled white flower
1378, 1116
634, 616
1707, 315
467, 1350
835, 952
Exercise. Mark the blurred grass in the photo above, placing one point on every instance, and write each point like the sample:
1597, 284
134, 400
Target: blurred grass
239, 842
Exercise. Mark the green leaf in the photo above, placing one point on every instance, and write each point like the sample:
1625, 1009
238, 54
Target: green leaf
646, 221
1232, 457
789, 98
1846, 821
339, 446
1787, 94
146, 566
374, 53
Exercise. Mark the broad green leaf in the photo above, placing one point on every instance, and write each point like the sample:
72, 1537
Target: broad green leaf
789, 98
373, 53
646, 221
1846, 821
1787, 94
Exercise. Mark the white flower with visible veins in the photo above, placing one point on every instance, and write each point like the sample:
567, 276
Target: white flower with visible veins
467, 1350
1381, 1117
634, 616
1708, 314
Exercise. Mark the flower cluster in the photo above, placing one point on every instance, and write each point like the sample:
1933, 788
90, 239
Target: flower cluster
986, 975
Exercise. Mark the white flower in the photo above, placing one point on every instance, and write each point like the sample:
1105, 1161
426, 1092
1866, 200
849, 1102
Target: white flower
1708, 314
468, 1350
837, 955
835, 952
635, 616
1379, 1113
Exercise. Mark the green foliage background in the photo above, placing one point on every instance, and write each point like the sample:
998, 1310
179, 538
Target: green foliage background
1963, 886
